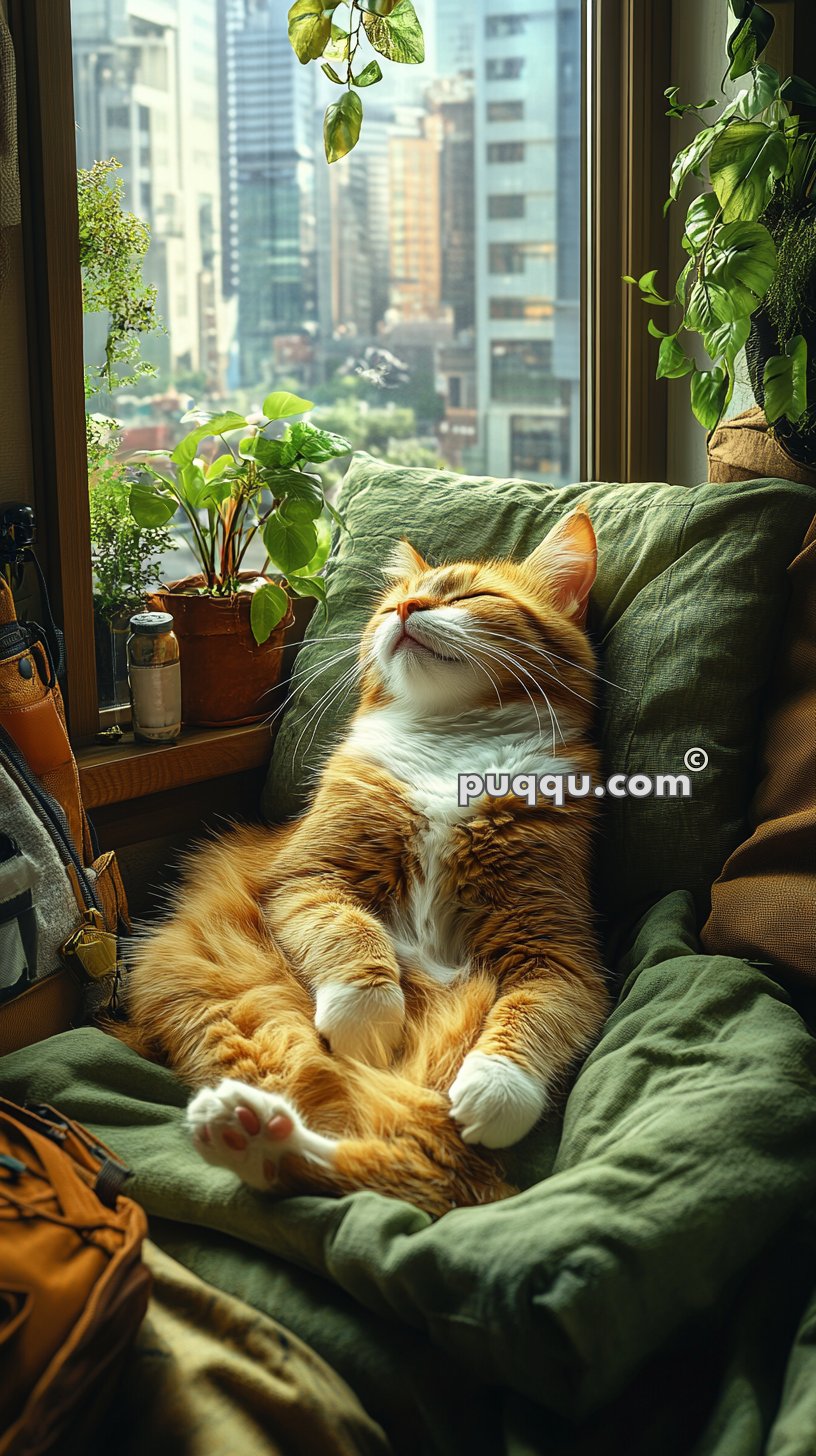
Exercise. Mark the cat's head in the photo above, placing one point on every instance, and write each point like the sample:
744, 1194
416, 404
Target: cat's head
445, 639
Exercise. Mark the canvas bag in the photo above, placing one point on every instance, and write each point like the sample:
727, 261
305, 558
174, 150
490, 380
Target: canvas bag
61, 903
73, 1288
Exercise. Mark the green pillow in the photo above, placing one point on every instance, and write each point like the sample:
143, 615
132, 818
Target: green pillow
685, 614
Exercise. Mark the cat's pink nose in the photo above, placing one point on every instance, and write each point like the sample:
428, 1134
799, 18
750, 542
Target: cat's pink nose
405, 608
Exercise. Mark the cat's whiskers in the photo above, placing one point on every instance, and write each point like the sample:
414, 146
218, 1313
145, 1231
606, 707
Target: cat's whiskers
309, 675
541, 652
510, 662
346, 680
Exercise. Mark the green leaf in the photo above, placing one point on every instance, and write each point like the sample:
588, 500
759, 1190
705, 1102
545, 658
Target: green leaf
218, 466
709, 306
369, 76
749, 39
341, 126
192, 481
785, 383
744, 165
691, 157
308, 586
398, 36
673, 362
332, 74
764, 89
699, 218
268, 608
680, 286
708, 394
309, 29
338, 47
296, 485
727, 339
657, 333
798, 91
318, 445
187, 449
270, 454
323, 548
742, 256
290, 541
281, 405
151, 504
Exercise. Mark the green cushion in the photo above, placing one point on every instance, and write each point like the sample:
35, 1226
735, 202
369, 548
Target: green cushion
685, 612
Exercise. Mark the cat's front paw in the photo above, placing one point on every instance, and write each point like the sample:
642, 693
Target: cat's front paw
494, 1101
364, 1022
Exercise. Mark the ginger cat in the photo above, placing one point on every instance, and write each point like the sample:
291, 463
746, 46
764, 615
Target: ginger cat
385, 991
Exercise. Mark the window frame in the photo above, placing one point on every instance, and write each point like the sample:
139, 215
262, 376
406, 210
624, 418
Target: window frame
625, 154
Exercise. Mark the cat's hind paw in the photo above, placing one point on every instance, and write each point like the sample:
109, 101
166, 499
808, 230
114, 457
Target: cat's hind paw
494, 1101
249, 1131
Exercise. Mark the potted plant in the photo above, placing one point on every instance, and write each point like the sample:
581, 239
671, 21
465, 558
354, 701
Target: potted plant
126, 559
750, 278
234, 486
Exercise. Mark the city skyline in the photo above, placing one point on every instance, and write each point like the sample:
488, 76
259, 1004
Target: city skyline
447, 241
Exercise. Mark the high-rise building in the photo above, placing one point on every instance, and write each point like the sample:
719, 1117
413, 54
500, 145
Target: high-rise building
527, 140
415, 255
268, 183
455, 37
140, 98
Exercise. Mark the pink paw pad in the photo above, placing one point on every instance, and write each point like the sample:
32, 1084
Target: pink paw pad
233, 1139
249, 1120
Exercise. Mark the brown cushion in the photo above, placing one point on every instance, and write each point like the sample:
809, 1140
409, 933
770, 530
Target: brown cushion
764, 902
743, 449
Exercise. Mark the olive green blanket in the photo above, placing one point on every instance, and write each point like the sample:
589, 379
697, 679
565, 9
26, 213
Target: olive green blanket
652, 1290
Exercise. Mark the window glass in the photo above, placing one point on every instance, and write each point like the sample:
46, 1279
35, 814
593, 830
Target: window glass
415, 290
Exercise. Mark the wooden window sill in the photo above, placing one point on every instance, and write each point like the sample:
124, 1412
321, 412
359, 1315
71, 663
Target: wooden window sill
130, 770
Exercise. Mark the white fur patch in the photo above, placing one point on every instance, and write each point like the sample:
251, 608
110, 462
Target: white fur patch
359, 1021
427, 757
495, 1101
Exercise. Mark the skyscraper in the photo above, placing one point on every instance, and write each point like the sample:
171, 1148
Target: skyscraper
268, 181
455, 37
528, 243
138, 99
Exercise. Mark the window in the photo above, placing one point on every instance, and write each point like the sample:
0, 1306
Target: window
521, 308
505, 68
539, 446
500, 25
365, 283
521, 372
511, 204
506, 151
514, 257
505, 111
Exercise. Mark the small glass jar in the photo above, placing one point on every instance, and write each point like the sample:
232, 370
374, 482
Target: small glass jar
154, 675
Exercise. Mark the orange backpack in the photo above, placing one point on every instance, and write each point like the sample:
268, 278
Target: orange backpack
73, 1288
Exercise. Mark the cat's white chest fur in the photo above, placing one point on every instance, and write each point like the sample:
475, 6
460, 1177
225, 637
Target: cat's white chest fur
427, 758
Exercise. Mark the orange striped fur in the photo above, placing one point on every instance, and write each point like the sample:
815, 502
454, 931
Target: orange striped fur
389, 990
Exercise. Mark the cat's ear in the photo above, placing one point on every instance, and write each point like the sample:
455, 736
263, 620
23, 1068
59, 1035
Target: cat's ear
566, 562
403, 563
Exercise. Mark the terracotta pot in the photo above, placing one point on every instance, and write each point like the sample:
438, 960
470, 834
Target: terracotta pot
226, 678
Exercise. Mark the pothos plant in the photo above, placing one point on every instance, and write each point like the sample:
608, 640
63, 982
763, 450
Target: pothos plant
333, 32
760, 162
258, 487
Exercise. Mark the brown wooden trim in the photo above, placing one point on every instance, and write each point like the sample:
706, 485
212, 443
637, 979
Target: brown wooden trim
111, 775
630, 51
184, 813
41, 30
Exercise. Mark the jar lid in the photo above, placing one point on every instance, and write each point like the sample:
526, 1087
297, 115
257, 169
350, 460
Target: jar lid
151, 622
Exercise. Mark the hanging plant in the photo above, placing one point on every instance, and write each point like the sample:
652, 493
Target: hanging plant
335, 34
750, 276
